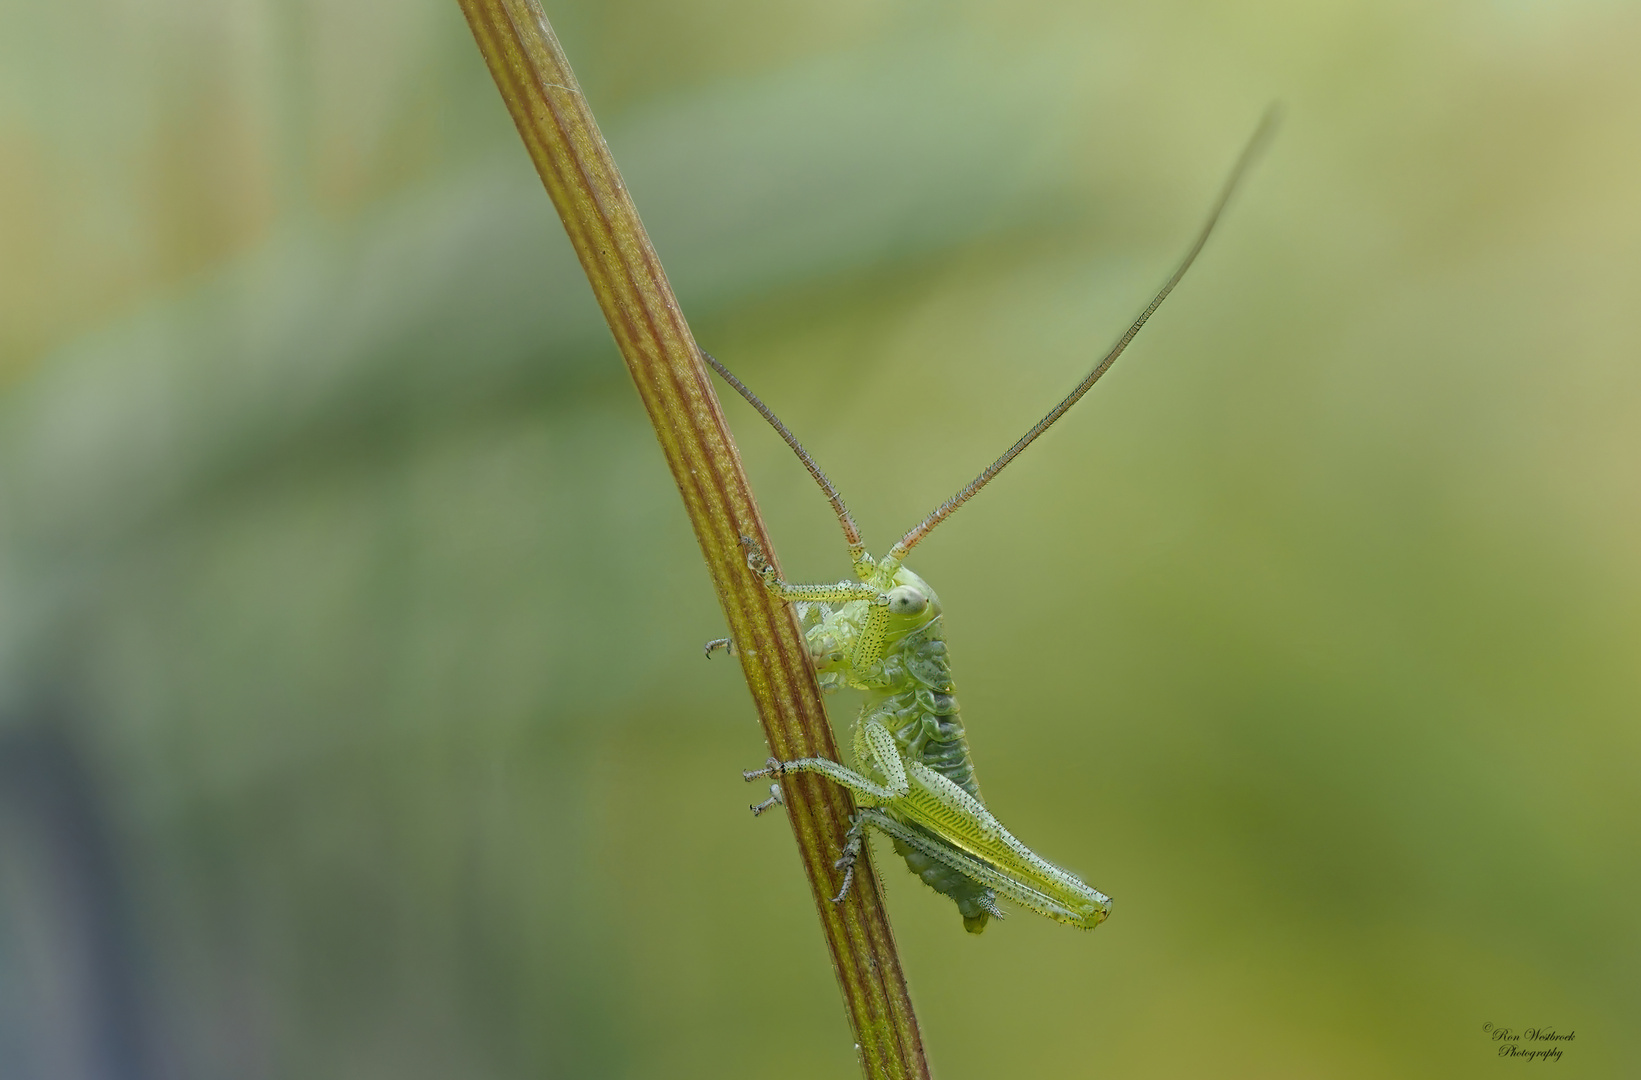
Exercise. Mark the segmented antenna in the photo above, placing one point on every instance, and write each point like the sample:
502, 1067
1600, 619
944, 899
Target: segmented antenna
1256, 144
851, 531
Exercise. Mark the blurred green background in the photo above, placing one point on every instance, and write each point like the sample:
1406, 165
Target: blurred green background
353, 721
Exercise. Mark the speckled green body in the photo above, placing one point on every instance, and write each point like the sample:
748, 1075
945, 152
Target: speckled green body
910, 694
913, 779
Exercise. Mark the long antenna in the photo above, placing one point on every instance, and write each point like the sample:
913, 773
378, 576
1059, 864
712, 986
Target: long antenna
851, 531
1256, 144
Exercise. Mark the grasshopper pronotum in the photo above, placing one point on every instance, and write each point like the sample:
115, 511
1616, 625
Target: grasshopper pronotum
913, 777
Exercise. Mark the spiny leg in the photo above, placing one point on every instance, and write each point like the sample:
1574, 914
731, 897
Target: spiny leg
873, 742
837, 593
1087, 909
775, 799
851, 851
938, 804
868, 651
869, 791
832, 770
851, 848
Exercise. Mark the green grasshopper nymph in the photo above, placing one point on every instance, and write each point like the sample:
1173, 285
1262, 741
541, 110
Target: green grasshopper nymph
882, 633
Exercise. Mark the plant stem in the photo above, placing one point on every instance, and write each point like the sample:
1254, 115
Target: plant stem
558, 129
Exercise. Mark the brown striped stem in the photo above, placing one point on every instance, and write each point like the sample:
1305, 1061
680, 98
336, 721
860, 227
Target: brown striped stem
558, 129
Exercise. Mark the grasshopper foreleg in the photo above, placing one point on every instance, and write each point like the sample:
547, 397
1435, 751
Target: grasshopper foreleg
811, 594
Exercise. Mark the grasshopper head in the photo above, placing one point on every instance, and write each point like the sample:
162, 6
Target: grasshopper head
911, 603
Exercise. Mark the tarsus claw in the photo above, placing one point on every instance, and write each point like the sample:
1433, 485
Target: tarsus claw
773, 800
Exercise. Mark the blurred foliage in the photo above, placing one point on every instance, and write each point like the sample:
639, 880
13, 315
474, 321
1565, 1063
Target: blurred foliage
352, 718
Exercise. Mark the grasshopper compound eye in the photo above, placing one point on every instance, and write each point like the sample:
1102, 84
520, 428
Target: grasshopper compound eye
907, 600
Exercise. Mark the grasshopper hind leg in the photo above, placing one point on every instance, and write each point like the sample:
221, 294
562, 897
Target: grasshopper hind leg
976, 903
